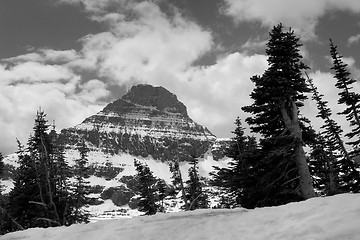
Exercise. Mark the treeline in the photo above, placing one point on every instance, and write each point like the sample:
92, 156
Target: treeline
43, 195
275, 169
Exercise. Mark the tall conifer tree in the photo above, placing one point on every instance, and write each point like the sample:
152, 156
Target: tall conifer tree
277, 96
177, 181
351, 100
25, 192
347, 96
196, 195
146, 188
39, 197
339, 158
80, 186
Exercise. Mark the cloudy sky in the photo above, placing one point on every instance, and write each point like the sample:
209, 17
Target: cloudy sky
72, 57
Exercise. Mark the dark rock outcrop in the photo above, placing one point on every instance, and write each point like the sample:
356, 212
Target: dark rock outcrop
118, 195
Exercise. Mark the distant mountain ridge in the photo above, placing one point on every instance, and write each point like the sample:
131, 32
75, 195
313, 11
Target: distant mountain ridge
147, 120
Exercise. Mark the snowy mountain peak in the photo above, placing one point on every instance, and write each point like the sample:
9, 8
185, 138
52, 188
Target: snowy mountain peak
146, 121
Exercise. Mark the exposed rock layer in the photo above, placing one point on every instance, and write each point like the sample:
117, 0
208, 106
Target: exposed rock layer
146, 121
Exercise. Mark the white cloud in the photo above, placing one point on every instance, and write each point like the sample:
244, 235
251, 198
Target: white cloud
91, 92
27, 85
59, 56
59, 101
303, 15
254, 44
45, 55
32, 72
149, 44
216, 93
354, 39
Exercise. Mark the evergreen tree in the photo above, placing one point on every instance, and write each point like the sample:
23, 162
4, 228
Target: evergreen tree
25, 192
178, 181
146, 188
346, 96
198, 198
1, 164
277, 96
323, 167
161, 188
7, 223
260, 174
80, 186
339, 160
60, 177
41, 152
40, 197
1, 171
351, 100
229, 179
332, 131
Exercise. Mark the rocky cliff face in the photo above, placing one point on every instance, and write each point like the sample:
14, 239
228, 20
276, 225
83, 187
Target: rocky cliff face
146, 121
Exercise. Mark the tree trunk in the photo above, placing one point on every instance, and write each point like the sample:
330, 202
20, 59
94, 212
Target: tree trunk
333, 187
293, 126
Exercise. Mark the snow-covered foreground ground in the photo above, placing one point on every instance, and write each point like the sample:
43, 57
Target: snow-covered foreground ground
331, 218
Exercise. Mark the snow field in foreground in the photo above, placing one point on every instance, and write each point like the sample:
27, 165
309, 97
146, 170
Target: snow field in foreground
330, 218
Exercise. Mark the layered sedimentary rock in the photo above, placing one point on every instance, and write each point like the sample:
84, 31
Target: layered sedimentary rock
146, 121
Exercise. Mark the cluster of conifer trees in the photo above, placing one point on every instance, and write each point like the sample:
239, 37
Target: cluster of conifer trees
153, 190
43, 195
275, 169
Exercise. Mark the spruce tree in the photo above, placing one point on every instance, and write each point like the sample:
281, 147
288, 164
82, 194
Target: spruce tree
323, 167
278, 95
40, 197
332, 143
146, 188
25, 192
351, 100
1, 171
80, 187
42, 154
177, 181
196, 195
161, 189
346, 96
7, 222
1, 164
228, 179
260, 173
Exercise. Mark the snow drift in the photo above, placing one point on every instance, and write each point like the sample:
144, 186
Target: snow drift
330, 218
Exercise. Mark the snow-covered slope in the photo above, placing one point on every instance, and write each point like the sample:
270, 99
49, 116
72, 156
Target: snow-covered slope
159, 168
119, 208
330, 218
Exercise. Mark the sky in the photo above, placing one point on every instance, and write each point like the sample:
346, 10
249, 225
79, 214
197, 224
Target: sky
72, 57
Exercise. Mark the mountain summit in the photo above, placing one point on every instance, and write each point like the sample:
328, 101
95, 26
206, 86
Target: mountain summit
158, 97
146, 121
